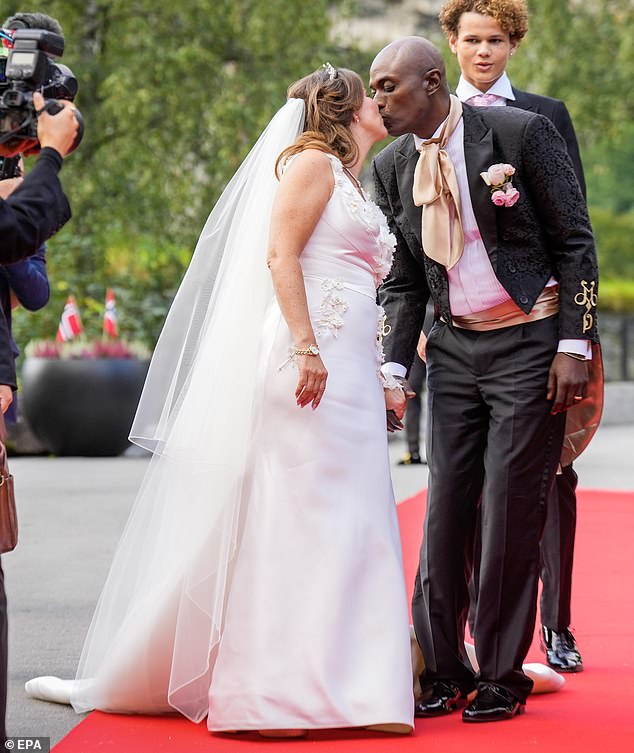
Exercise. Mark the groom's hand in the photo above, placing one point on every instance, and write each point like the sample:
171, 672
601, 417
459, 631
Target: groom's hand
393, 423
567, 382
396, 402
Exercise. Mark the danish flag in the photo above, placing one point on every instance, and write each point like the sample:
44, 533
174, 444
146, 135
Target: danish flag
110, 315
70, 324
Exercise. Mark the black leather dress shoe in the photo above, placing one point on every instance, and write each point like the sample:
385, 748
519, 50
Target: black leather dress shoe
561, 650
492, 704
439, 699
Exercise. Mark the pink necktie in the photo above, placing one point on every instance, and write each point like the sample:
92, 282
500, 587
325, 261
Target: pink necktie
483, 100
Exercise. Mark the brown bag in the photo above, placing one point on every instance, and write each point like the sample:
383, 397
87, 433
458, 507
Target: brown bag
8, 515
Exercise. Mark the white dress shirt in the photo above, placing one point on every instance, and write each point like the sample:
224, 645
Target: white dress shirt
501, 88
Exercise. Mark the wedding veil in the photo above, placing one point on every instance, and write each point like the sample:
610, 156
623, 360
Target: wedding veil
151, 643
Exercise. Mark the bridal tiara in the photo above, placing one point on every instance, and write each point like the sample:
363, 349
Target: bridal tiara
332, 72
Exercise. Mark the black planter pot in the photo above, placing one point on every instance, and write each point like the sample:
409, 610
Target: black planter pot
82, 406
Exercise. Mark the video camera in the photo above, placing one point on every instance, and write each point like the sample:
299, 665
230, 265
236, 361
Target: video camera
25, 67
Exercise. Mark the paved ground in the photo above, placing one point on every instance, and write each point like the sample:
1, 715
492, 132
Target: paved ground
71, 514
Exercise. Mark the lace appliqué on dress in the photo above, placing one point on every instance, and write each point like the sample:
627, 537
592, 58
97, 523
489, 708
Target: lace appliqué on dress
387, 244
332, 308
330, 315
372, 218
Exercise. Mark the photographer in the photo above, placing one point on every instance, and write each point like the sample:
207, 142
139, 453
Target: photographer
34, 211
22, 284
38, 208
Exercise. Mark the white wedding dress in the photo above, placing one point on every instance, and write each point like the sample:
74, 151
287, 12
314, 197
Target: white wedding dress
314, 629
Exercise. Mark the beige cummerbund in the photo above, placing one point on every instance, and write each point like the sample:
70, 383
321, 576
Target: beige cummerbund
508, 314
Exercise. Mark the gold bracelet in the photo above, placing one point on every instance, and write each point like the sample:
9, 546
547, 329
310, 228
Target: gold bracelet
311, 350
576, 356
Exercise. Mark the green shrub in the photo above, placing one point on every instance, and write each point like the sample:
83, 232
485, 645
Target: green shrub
616, 295
143, 274
614, 235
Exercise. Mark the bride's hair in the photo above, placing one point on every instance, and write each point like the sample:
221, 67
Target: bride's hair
332, 96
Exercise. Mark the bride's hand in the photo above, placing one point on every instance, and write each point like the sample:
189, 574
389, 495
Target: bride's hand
311, 384
396, 398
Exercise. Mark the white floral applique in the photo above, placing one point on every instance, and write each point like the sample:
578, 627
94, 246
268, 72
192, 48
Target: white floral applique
387, 244
333, 307
355, 203
372, 219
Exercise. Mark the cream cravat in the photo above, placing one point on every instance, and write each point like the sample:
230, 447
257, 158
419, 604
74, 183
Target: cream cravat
436, 190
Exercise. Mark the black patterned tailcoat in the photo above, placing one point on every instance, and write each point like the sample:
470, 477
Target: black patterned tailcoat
546, 233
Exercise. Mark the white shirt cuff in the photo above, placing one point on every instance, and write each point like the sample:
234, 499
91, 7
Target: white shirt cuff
395, 369
580, 347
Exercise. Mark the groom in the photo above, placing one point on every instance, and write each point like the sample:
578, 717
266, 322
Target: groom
491, 223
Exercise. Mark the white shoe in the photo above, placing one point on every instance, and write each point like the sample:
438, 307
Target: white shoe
49, 688
545, 679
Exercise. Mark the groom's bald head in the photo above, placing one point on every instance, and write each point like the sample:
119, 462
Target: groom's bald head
410, 85
411, 53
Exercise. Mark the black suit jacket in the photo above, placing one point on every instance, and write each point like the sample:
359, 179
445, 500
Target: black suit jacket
35, 211
30, 216
557, 112
546, 233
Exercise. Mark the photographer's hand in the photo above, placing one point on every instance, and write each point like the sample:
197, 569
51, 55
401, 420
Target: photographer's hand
56, 131
6, 397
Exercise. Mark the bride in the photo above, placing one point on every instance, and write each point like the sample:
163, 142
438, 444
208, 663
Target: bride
259, 580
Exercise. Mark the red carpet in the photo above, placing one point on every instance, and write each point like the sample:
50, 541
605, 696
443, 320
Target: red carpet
592, 712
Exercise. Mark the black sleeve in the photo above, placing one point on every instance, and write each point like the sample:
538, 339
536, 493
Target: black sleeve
35, 211
564, 215
404, 292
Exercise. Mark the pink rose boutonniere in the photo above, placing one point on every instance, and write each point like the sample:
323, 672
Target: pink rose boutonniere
498, 178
